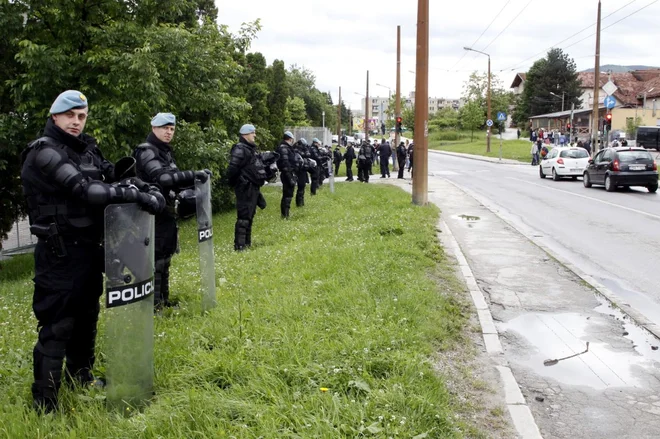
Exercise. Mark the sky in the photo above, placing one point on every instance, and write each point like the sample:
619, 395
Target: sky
339, 40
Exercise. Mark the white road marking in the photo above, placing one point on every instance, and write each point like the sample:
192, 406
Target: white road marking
641, 212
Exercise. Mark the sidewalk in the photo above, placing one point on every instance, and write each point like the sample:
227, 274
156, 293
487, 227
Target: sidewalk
542, 311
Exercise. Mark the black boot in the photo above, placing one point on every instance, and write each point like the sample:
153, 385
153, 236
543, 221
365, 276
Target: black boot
240, 234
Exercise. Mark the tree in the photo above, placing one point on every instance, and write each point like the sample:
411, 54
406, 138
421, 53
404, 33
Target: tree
547, 80
255, 80
475, 90
295, 112
301, 84
631, 126
445, 118
408, 116
277, 99
471, 117
131, 59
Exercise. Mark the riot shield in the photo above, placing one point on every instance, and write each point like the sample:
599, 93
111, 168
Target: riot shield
205, 240
129, 286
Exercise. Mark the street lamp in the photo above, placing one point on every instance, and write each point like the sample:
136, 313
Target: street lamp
323, 114
487, 94
563, 93
389, 94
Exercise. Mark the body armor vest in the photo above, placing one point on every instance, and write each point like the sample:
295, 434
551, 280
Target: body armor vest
47, 204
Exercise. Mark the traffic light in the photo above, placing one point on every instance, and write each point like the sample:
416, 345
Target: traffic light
608, 121
568, 127
399, 124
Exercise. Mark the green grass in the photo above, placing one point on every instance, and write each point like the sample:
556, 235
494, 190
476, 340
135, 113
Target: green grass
353, 294
511, 149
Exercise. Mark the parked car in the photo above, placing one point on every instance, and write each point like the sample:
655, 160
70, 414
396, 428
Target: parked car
564, 162
648, 137
622, 166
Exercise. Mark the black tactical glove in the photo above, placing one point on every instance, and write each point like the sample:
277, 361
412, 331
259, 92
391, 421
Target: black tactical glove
261, 201
149, 203
155, 192
202, 175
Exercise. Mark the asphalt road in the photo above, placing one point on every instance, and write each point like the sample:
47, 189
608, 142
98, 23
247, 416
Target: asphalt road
614, 237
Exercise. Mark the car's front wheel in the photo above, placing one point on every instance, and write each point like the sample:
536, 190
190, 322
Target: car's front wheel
652, 188
555, 176
586, 180
609, 184
541, 174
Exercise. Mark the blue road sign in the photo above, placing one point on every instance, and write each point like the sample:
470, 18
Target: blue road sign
501, 116
609, 102
489, 122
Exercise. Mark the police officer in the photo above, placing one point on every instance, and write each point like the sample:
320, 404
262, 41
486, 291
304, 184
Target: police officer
246, 174
401, 155
349, 156
314, 172
288, 167
365, 161
156, 165
385, 151
337, 159
66, 185
302, 148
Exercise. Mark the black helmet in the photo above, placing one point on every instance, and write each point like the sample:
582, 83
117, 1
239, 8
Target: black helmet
187, 203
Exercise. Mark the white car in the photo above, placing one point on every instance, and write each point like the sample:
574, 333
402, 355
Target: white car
564, 162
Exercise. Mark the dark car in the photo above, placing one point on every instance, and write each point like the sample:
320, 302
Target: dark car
622, 166
648, 137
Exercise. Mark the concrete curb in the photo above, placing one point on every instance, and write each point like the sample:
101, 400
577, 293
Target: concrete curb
616, 301
520, 413
480, 158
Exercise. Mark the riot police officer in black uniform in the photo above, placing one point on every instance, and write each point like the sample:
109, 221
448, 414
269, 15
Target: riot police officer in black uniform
337, 158
349, 156
365, 160
401, 154
156, 165
314, 172
246, 174
385, 152
302, 148
288, 167
66, 184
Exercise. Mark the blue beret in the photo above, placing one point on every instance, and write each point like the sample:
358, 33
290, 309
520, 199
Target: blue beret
68, 100
289, 135
248, 128
315, 140
162, 119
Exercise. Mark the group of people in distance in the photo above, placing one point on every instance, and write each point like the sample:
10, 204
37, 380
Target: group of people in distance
378, 153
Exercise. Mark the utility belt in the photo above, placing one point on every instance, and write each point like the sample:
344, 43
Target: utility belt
52, 236
58, 241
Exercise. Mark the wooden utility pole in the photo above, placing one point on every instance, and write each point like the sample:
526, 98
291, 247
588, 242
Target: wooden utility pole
595, 117
367, 105
397, 108
488, 129
339, 119
420, 150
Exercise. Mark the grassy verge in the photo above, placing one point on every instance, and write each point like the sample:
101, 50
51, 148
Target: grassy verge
511, 149
330, 326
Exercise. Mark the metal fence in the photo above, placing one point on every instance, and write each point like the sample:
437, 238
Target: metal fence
323, 134
19, 239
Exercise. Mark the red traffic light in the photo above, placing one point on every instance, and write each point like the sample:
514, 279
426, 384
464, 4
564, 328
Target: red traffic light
568, 126
399, 119
608, 116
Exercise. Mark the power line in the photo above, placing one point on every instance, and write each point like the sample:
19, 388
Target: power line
612, 24
482, 34
575, 34
507, 26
